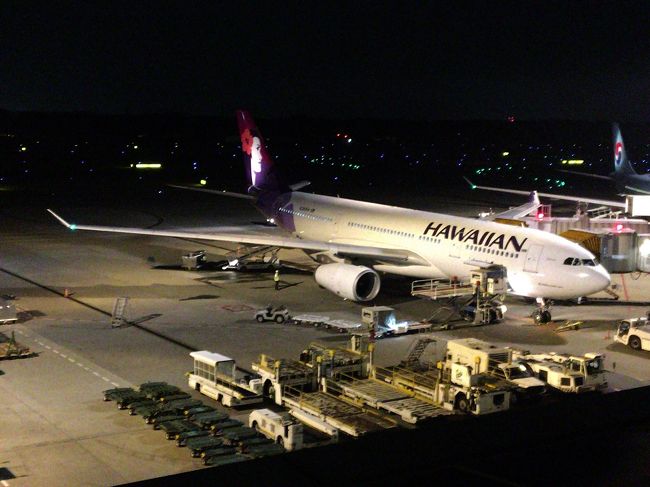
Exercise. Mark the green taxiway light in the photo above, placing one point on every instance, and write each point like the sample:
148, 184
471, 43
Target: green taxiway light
73, 227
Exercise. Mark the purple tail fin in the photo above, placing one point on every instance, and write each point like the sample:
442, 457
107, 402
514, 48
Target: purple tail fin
259, 165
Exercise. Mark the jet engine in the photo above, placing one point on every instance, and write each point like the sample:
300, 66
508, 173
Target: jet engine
354, 282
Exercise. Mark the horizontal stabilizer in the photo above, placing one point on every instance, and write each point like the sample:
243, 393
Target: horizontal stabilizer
299, 185
214, 191
580, 199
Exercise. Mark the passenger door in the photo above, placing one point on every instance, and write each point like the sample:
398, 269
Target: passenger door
532, 258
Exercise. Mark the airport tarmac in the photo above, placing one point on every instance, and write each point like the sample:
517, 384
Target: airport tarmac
56, 429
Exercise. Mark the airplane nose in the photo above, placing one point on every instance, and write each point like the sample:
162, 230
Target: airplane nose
599, 280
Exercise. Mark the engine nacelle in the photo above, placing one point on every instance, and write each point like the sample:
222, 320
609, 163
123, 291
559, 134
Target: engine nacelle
354, 282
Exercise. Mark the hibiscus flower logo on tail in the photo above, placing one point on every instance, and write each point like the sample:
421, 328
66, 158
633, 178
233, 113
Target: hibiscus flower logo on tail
246, 141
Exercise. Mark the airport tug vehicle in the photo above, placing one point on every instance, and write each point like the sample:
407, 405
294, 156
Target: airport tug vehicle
279, 314
567, 373
635, 333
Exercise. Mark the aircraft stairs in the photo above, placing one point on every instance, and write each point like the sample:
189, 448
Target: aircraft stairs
415, 351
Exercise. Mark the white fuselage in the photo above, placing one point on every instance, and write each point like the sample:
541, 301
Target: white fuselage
536, 261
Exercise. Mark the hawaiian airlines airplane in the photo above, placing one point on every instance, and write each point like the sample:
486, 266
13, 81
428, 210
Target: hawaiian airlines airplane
353, 241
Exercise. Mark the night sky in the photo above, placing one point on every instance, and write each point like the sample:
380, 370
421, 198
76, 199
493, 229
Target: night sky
440, 60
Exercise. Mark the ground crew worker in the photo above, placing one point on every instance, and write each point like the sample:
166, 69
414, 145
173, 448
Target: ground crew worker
276, 278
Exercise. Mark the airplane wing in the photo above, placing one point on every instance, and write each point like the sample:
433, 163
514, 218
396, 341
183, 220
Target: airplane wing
383, 254
616, 204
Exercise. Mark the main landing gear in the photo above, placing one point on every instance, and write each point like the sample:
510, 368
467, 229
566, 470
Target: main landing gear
542, 314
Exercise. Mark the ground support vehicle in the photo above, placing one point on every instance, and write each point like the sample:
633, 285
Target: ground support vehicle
376, 393
317, 361
184, 436
349, 418
125, 400
279, 314
635, 333
258, 451
218, 377
163, 418
157, 392
199, 445
139, 404
7, 311
117, 392
253, 258
454, 388
11, 349
218, 451
285, 430
147, 387
276, 374
483, 357
173, 428
221, 427
233, 436
567, 373
168, 398
206, 420
199, 410
225, 460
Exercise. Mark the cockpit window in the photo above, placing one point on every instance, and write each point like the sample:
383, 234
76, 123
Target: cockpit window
576, 261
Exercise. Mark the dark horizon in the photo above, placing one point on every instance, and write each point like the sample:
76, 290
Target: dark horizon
461, 61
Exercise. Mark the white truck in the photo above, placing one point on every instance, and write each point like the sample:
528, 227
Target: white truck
634, 332
483, 357
218, 377
466, 392
567, 373
287, 431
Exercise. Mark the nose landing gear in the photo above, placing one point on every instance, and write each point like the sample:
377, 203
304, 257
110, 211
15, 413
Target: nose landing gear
542, 314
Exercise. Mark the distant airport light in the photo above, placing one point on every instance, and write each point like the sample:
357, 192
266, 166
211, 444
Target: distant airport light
573, 162
23, 148
148, 165
203, 182
505, 154
73, 227
135, 146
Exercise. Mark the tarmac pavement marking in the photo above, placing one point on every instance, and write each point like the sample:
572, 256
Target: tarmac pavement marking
96, 373
55, 350
64, 356
4, 483
48, 347
115, 384
70, 359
